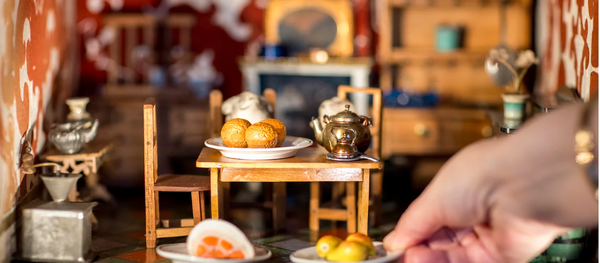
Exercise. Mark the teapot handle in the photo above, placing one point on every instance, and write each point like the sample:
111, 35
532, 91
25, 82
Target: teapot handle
367, 121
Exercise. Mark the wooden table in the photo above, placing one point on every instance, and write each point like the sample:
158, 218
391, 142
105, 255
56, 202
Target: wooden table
87, 162
309, 165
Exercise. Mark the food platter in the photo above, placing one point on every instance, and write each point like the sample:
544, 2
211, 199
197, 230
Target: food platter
178, 253
309, 255
290, 147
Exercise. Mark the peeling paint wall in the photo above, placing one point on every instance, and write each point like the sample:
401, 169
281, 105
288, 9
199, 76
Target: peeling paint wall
32, 42
567, 34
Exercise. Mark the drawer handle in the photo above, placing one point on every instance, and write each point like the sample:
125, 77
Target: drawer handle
421, 130
486, 131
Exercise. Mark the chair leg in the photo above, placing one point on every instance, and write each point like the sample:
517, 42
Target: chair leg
377, 197
337, 191
196, 207
279, 193
202, 207
151, 218
315, 196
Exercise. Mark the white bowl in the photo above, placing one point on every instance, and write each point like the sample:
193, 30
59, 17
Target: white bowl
290, 147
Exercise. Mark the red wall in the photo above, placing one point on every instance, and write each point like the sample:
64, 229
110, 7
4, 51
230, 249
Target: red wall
33, 41
207, 35
569, 45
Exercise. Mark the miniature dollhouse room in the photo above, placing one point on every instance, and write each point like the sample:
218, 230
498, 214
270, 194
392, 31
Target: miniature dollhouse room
264, 130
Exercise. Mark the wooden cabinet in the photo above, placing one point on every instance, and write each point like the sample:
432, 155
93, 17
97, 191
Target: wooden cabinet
409, 59
431, 131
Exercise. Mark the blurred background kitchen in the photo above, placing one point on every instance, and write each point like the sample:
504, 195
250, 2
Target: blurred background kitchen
427, 56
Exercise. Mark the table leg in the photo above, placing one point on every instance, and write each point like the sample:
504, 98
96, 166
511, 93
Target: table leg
214, 193
315, 195
97, 191
279, 193
351, 206
73, 194
363, 202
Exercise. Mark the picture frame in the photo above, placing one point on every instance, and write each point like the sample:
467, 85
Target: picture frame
301, 25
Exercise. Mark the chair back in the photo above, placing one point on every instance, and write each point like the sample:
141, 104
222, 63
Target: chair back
134, 30
376, 111
216, 116
150, 145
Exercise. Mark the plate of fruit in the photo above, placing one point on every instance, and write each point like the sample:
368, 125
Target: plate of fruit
356, 248
264, 140
214, 241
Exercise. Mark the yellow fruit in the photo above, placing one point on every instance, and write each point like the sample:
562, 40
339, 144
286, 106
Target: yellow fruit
326, 244
348, 251
261, 135
233, 133
364, 240
279, 128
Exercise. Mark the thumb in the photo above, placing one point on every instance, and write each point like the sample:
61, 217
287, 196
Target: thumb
417, 224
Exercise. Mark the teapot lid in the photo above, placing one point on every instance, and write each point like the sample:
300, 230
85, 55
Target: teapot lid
346, 116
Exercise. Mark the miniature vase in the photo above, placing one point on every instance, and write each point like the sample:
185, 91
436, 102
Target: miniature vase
514, 105
78, 109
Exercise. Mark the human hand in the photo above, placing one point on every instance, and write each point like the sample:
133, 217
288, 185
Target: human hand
501, 200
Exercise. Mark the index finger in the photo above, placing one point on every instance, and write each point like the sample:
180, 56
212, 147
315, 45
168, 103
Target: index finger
420, 220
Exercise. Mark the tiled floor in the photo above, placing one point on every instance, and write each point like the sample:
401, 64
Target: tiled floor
119, 237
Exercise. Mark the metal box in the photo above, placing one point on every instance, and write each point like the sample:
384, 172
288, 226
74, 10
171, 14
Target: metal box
56, 231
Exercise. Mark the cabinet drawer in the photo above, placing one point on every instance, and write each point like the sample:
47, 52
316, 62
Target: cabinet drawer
458, 134
410, 136
431, 131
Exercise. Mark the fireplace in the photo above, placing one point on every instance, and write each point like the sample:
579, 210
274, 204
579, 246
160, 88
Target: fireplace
301, 86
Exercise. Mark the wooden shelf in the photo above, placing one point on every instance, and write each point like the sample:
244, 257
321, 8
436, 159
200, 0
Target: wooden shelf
398, 55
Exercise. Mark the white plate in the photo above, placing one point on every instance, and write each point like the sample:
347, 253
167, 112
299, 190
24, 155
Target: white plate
290, 147
309, 255
177, 253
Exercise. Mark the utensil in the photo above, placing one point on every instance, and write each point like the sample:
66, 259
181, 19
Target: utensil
343, 123
309, 255
330, 156
69, 137
290, 147
177, 253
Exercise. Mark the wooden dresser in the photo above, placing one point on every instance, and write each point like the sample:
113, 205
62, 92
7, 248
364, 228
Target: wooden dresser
409, 59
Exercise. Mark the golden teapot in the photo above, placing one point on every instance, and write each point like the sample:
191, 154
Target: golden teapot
341, 125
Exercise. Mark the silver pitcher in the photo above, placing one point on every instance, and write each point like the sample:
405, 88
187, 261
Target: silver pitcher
69, 137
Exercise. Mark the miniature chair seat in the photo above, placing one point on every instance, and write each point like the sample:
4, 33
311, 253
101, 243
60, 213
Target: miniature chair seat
320, 213
154, 183
182, 183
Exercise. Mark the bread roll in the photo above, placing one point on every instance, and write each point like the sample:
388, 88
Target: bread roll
233, 133
261, 135
279, 128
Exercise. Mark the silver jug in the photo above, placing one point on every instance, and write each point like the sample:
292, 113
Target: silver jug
69, 137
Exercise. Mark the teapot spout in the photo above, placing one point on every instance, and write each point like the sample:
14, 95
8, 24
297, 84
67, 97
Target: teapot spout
318, 128
89, 133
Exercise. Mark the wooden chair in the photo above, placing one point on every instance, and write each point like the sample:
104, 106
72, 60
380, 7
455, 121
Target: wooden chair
122, 79
195, 184
317, 213
278, 190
